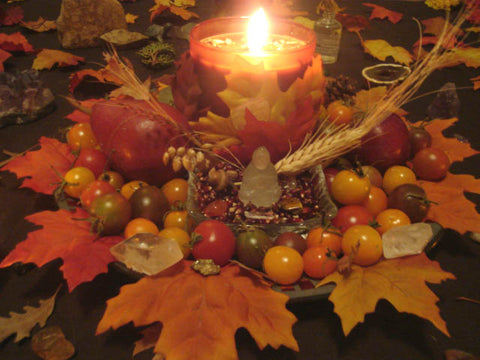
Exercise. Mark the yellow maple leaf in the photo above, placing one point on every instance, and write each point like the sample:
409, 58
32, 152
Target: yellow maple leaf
47, 58
381, 49
130, 18
200, 315
469, 56
401, 281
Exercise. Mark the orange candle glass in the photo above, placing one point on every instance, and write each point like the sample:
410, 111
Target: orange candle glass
290, 50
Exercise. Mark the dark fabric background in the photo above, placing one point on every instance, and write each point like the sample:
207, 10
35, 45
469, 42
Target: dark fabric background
386, 334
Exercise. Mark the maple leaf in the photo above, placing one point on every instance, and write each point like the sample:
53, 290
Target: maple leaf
64, 235
180, 10
353, 23
43, 166
4, 55
200, 315
130, 18
15, 42
436, 25
475, 80
23, 323
400, 281
379, 12
381, 49
40, 25
432, 40
101, 75
82, 116
47, 58
13, 15
469, 56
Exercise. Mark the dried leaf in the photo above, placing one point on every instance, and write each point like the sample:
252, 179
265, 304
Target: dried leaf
435, 26
22, 323
121, 37
474, 29
200, 315
379, 12
182, 12
130, 18
4, 55
149, 339
469, 56
13, 15
353, 23
41, 167
65, 235
47, 58
40, 25
103, 75
50, 344
365, 99
82, 116
475, 80
401, 281
15, 42
381, 49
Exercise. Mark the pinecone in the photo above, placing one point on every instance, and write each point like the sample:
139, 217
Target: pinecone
340, 88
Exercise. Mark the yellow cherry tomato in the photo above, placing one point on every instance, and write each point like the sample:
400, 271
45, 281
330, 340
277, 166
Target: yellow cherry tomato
140, 225
397, 175
180, 236
130, 187
77, 179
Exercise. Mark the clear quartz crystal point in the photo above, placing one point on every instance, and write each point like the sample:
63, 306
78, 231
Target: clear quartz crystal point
406, 240
147, 253
260, 181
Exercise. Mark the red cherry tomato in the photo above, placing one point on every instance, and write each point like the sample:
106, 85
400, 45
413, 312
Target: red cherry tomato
319, 261
93, 190
81, 136
92, 159
213, 240
350, 215
431, 164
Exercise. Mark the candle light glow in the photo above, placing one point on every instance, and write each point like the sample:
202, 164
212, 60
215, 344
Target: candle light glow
257, 32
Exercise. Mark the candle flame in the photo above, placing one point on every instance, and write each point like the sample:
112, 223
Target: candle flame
257, 32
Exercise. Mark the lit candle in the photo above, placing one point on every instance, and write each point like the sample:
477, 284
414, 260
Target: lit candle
216, 45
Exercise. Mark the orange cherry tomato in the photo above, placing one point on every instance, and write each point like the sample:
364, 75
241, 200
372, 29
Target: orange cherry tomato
339, 113
365, 242
283, 264
180, 236
323, 236
113, 178
397, 175
140, 225
77, 179
130, 187
176, 190
177, 218
390, 218
376, 201
319, 262
350, 188
81, 136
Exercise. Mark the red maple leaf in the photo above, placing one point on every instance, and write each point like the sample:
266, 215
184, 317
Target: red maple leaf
379, 12
4, 55
41, 167
83, 116
13, 15
64, 236
15, 42
353, 23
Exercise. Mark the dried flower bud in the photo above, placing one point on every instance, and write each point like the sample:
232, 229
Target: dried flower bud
171, 151
177, 163
191, 152
200, 157
166, 158
181, 151
187, 163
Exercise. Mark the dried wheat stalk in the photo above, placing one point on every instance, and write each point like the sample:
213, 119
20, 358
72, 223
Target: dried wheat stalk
325, 146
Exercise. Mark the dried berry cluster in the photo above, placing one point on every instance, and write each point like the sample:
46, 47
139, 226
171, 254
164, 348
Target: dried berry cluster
340, 88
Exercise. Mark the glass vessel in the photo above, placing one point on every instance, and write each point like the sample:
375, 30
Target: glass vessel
329, 32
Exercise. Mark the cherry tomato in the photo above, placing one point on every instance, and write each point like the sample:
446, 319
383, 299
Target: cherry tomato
112, 212
180, 236
176, 190
252, 246
319, 261
349, 188
77, 179
93, 159
373, 174
366, 244
397, 175
216, 209
177, 218
391, 218
149, 202
213, 240
326, 237
376, 201
419, 139
114, 178
330, 173
283, 265
95, 189
350, 215
130, 187
293, 240
81, 136
140, 225
411, 199
431, 164
338, 113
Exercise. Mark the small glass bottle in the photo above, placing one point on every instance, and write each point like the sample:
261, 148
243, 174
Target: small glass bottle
329, 32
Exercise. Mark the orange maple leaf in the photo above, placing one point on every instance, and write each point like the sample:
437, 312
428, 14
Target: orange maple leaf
83, 116
40, 25
381, 49
41, 167
400, 281
435, 26
15, 42
476, 82
64, 236
379, 12
101, 75
47, 58
200, 315
130, 18
182, 12
4, 55
353, 23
